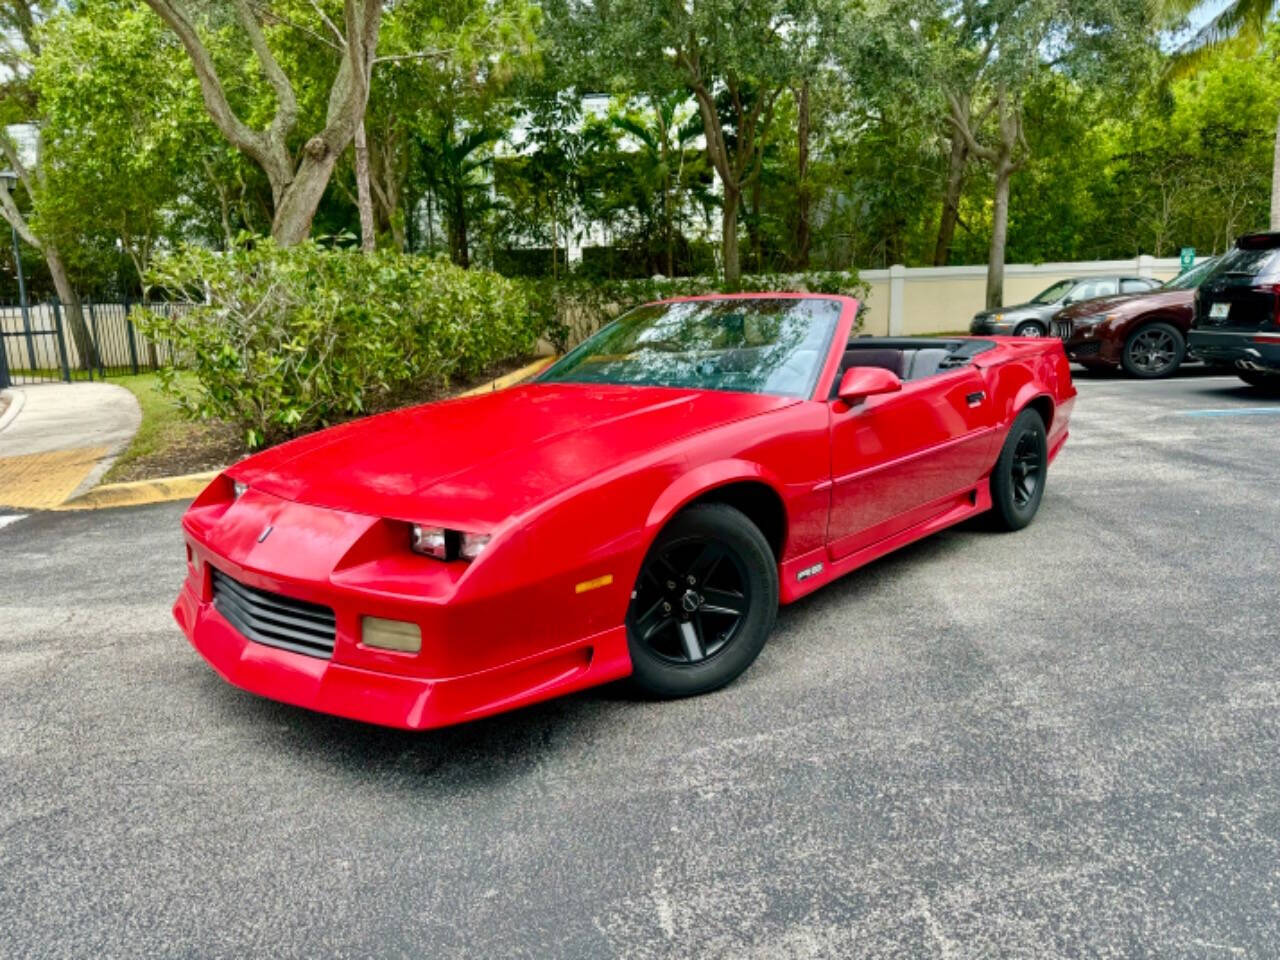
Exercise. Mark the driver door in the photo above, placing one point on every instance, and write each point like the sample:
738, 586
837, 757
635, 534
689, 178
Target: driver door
900, 459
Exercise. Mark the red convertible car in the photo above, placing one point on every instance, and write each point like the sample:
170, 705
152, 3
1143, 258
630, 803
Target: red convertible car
640, 509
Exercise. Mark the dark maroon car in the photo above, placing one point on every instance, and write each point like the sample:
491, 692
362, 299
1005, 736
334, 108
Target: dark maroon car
1145, 333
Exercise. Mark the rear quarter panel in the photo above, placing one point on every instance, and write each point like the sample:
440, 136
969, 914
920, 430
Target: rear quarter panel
1019, 372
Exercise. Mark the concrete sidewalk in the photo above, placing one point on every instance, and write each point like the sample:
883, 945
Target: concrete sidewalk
62, 439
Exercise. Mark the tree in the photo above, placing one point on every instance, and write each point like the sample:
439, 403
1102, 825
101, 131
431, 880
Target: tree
745, 53
19, 105
988, 56
120, 134
298, 178
1241, 24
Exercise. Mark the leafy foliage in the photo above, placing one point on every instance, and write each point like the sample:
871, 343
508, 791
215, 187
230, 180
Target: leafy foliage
292, 339
574, 308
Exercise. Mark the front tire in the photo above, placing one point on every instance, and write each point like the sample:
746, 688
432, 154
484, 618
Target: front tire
1030, 329
1153, 351
704, 603
1017, 482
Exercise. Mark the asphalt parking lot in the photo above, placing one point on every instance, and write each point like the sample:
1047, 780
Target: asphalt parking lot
1061, 742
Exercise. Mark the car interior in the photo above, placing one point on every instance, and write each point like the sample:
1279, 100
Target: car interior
909, 358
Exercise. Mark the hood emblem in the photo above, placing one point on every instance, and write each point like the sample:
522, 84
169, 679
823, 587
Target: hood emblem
266, 532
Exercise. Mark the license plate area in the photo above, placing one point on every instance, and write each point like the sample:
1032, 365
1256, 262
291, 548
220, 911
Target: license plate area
1219, 311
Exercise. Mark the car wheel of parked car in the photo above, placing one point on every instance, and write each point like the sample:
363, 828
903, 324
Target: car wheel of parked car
1017, 483
1153, 351
1029, 329
1268, 383
704, 603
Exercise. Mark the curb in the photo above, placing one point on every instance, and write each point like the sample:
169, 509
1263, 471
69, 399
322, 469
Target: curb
163, 489
16, 400
515, 376
138, 492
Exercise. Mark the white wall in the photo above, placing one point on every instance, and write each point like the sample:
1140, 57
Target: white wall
907, 301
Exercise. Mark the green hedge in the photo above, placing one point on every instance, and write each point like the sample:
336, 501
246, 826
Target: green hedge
292, 339
574, 308
287, 340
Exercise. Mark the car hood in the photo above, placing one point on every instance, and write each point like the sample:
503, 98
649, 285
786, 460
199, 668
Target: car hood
476, 461
1128, 303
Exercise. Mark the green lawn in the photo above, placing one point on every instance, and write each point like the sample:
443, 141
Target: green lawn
167, 443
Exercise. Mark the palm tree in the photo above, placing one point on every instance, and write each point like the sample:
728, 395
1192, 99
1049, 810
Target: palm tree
1240, 24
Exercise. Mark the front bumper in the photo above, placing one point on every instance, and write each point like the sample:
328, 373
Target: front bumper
390, 699
492, 643
1248, 350
986, 327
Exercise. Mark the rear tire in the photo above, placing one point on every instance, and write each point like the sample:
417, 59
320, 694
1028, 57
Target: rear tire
1153, 351
704, 603
1017, 482
1266, 383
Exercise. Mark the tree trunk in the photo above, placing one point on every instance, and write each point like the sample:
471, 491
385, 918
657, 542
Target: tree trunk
951, 200
755, 226
72, 310
999, 233
1275, 181
803, 234
364, 198
300, 199
458, 229
729, 236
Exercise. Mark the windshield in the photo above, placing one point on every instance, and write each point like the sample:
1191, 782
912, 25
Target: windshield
1192, 278
1054, 293
757, 345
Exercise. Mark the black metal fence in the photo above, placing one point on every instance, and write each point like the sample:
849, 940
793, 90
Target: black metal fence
39, 342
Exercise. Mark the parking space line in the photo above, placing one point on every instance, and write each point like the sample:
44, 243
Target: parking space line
13, 518
1231, 412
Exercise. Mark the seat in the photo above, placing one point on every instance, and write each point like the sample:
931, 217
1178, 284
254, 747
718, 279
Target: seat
888, 359
925, 363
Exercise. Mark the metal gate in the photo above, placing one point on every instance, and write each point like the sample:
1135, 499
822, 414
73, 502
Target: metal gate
40, 344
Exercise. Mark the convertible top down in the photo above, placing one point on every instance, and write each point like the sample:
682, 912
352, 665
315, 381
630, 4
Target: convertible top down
639, 509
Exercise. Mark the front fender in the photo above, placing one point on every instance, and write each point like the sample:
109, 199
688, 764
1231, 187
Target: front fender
702, 479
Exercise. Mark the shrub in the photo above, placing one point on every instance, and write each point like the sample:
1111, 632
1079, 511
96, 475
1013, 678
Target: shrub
290, 339
575, 307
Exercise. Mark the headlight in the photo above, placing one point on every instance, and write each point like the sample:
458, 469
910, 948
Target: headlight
997, 317
446, 544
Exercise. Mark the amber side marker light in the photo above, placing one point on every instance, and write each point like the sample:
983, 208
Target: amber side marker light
595, 584
390, 634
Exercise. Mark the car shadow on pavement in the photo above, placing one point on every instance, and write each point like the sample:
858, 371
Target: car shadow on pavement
508, 746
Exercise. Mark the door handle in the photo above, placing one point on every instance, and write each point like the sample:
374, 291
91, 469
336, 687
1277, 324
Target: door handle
974, 399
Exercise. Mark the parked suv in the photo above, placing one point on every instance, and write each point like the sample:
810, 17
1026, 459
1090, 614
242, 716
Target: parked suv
1031, 319
1237, 311
1145, 333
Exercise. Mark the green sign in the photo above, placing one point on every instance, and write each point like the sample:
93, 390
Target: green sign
1187, 258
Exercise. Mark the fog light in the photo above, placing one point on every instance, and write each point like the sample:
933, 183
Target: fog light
390, 634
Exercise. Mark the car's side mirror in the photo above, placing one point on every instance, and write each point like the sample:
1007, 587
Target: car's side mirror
858, 383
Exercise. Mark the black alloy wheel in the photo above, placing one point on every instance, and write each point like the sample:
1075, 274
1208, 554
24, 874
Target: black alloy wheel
1017, 482
1154, 351
703, 604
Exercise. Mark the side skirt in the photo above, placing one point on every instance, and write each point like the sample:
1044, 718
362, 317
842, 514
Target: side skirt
803, 575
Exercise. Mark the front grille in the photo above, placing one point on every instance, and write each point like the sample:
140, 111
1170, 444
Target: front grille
277, 621
1061, 328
